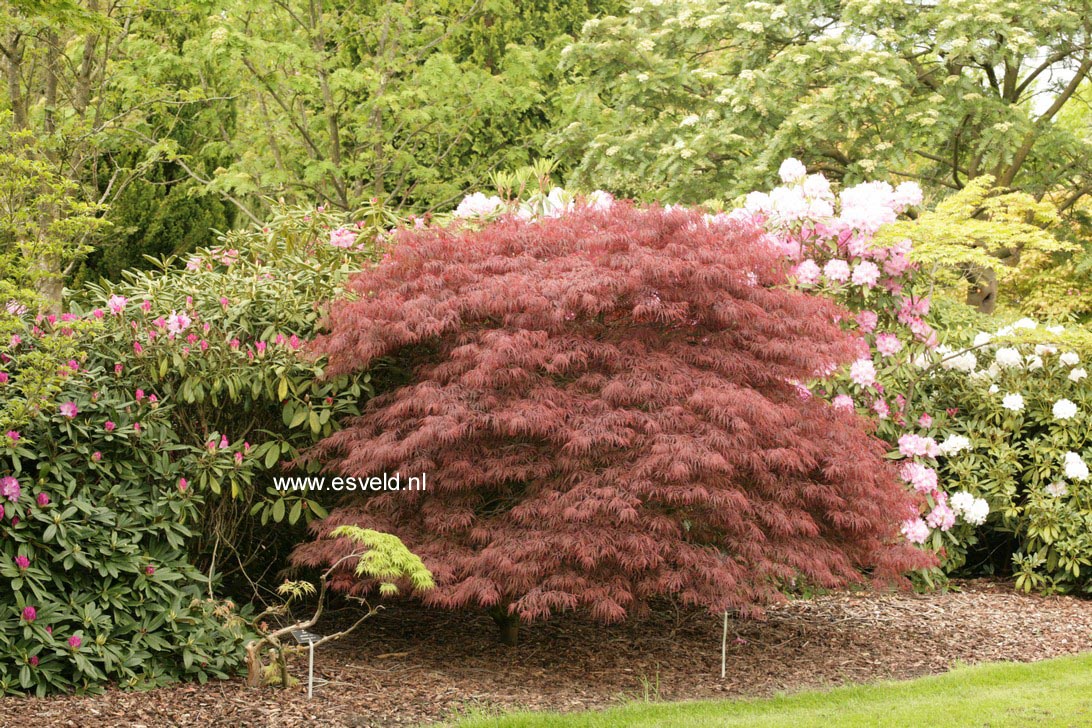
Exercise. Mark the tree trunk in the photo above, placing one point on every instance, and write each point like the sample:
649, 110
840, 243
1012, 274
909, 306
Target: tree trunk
982, 293
508, 622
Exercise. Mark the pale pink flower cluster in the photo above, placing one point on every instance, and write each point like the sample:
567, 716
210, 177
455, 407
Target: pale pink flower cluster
923, 479
912, 445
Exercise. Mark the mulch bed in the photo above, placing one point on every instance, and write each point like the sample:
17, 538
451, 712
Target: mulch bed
411, 666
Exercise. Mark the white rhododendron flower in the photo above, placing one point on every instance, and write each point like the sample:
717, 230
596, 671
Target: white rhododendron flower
955, 444
994, 389
1076, 375
1055, 329
982, 338
1025, 323
977, 513
1058, 489
965, 362
1006, 356
1075, 468
1070, 358
961, 501
1014, 402
1064, 409
600, 200
1034, 362
478, 205
792, 170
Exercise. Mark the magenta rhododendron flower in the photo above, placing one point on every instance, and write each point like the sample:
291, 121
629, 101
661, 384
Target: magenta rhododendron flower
14, 436
183, 484
118, 368
10, 489
109, 426
4, 377
96, 456
68, 409
29, 614
139, 394
22, 561
43, 500
75, 641
137, 348
33, 661
149, 570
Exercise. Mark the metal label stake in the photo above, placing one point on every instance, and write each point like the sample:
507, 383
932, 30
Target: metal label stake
304, 637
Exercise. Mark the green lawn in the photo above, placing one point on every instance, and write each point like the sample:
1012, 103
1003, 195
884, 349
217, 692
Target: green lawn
1051, 693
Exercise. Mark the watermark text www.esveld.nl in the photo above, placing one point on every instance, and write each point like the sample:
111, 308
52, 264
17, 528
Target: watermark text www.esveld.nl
384, 482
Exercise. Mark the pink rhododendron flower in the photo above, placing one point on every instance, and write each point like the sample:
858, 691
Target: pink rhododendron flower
866, 321
75, 641
342, 238
96, 456
836, 270
863, 373
29, 614
177, 323
68, 409
925, 421
888, 344
118, 368
116, 303
942, 517
137, 348
109, 426
14, 436
843, 402
922, 478
915, 530
4, 377
881, 408
866, 273
807, 273
139, 395
183, 484
911, 445
15, 340
22, 561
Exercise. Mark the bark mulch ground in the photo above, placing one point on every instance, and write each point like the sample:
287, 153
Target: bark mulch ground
411, 666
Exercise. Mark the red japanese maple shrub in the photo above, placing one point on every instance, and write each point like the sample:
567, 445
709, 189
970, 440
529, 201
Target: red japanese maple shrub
604, 405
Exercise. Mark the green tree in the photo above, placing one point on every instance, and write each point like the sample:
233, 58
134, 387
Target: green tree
698, 99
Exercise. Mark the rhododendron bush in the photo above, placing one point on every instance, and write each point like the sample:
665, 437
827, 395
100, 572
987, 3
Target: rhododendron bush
987, 427
221, 338
607, 405
94, 520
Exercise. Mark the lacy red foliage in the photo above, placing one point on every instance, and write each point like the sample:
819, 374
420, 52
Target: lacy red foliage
603, 405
